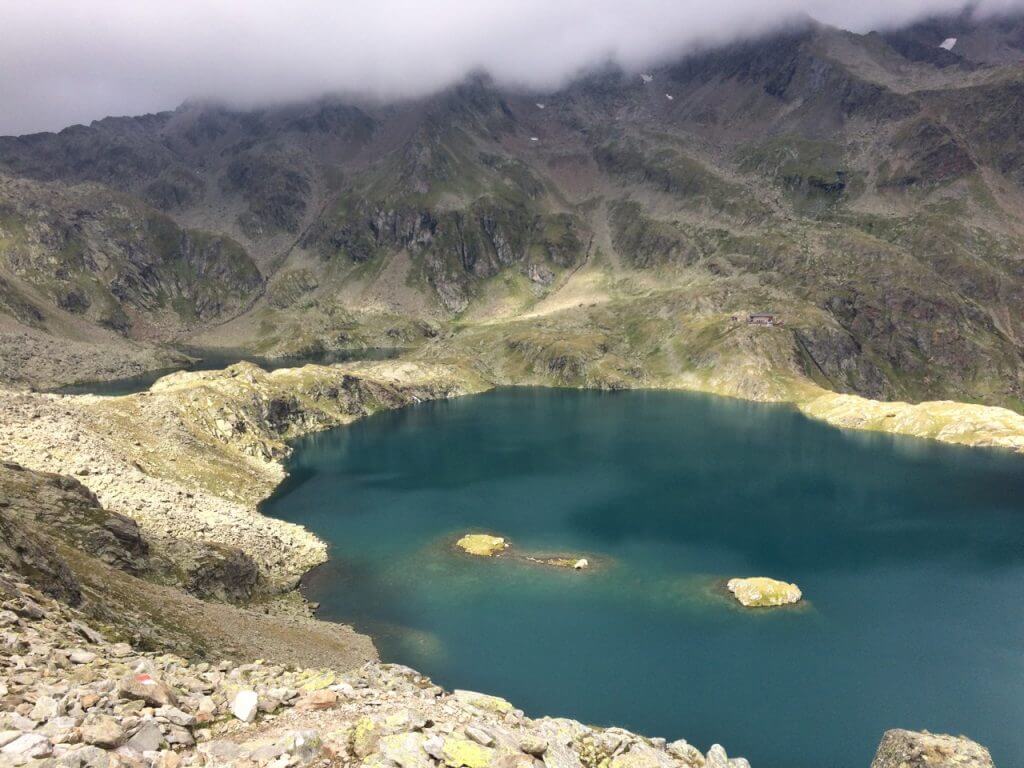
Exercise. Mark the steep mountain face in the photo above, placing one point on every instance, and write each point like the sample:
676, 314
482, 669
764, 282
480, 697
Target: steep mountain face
868, 189
113, 261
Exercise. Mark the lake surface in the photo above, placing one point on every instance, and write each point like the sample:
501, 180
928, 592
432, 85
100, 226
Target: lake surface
214, 359
910, 553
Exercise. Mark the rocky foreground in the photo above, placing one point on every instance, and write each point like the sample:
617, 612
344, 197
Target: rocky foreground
69, 697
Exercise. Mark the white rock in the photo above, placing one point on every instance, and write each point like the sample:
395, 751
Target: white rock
245, 705
480, 736
176, 716
434, 746
82, 656
580, 564
44, 709
6, 737
29, 745
717, 757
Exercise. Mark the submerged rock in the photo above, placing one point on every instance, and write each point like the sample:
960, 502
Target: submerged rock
570, 562
913, 749
762, 592
482, 544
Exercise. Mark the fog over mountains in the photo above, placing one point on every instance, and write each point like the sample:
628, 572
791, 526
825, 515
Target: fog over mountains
66, 62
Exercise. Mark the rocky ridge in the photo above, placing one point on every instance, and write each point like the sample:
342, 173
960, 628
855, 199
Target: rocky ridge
190, 459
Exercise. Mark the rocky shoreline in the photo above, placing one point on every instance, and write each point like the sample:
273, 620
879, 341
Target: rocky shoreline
191, 458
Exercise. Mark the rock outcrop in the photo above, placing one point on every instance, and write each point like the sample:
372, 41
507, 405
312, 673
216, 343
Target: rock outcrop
946, 421
189, 460
482, 544
912, 749
761, 592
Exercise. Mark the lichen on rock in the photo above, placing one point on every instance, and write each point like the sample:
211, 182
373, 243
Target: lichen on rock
762, 592
913, 749
482, 544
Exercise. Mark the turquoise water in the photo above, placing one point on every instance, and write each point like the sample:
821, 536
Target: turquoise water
213, 359
911, 555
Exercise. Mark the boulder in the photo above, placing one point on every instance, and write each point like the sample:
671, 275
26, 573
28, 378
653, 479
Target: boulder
45, 708
314, 700
479, 735
685, 752
365, 737
175, 716
482, 544
404, 750
762, 592
29, 745
494, 704
6, 737
144, 686
86, 756
716, 757
463, 753
533, 745
920, 749
147, 739
304, 746
102, 731
245, 705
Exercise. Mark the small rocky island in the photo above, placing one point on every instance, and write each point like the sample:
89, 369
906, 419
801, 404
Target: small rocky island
482, 544
762, 592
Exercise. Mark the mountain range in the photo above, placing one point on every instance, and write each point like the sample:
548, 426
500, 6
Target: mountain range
866, 190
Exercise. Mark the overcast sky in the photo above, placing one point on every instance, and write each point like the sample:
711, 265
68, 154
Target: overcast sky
68, 61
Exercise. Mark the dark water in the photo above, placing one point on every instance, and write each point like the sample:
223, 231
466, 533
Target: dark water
213, 359
911, 554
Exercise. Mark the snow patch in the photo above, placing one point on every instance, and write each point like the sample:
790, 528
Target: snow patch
948, 43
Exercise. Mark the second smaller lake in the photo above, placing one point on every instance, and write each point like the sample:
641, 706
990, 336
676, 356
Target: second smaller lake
216, 358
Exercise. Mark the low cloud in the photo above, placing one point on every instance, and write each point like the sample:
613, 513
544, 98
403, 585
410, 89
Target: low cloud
66, 61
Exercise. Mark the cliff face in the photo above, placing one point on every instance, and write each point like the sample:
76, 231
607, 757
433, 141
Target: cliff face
866, 188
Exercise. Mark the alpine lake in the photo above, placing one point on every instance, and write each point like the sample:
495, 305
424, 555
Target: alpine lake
910, 555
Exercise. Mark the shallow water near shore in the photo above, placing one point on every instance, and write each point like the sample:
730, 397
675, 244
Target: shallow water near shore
910, 552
